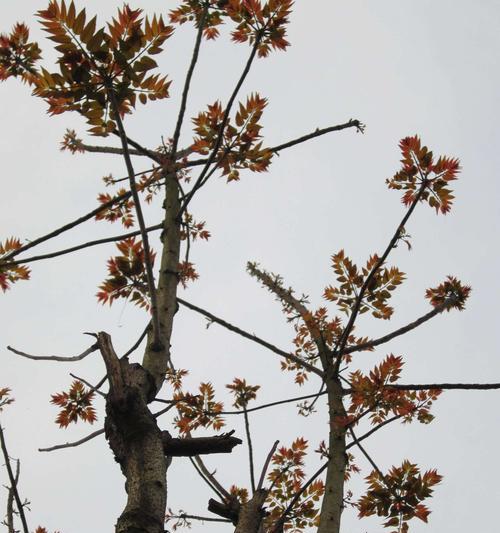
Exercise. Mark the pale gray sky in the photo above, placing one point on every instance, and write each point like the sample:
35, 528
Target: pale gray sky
402, 68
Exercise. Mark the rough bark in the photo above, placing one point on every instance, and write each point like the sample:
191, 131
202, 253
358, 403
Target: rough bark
333, 500
251, 514
156, 358
136, 441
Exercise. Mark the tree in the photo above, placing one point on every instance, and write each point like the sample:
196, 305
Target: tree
101, 83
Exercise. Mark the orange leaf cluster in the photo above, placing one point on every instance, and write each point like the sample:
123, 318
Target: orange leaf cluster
10, 273
451, 292
371, 394
187, 273
5, 398
192, 229
420, 169
18, 56
286, 480
263, 21
200, 410
75, 404
127, 275
398, 495
351, 280
242, 392
240, 147
192, 10
94, 62
122, 210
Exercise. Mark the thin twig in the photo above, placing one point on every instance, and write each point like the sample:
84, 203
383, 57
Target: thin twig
350, 124
71, 359
266, 465
273, 404
365, 453
184, 516
221, 491
282, 519
205, 479
357, 304
401, 331
187, 82
155, 319
84, 245
372, 431
13, 483
251, 337
250, 450
93, 388
138, 341
220, 135
90, 436
10, 501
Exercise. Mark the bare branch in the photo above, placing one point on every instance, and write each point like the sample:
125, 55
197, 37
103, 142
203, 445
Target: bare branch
357, 304
365, 453
82, 246
187, 82
372, 431
140, 219
273, 404
318, 132
266, 465
445, 386
93, 388
205, 479
185, 516
251, 337
13, 483
211, 477
73, 444
138, 341
79, 357
401, 331
250, 450
220, 135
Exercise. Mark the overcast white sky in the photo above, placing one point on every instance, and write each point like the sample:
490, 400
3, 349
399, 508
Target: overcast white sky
402, 68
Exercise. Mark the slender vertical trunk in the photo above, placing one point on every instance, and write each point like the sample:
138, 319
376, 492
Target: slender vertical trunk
333, 500
156, 359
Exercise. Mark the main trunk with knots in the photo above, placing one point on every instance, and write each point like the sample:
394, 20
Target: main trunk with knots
333, 500
136, 442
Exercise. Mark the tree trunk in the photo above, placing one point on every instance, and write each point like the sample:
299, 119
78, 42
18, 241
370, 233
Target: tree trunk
250, 514
136, 441
333, 500
156, 358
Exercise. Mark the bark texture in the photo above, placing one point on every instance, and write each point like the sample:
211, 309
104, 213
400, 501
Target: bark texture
250, 515
136, 441
156, 358
189, 447
333, 500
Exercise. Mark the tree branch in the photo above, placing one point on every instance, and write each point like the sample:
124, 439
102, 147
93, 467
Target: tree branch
79, 357
282, 519
250, 450
401, 331
12, 481
157, 341
357, 304
192, 446
440, 386
82, 246
220, 135
187, 82
318, 132
266, 465
251, 337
